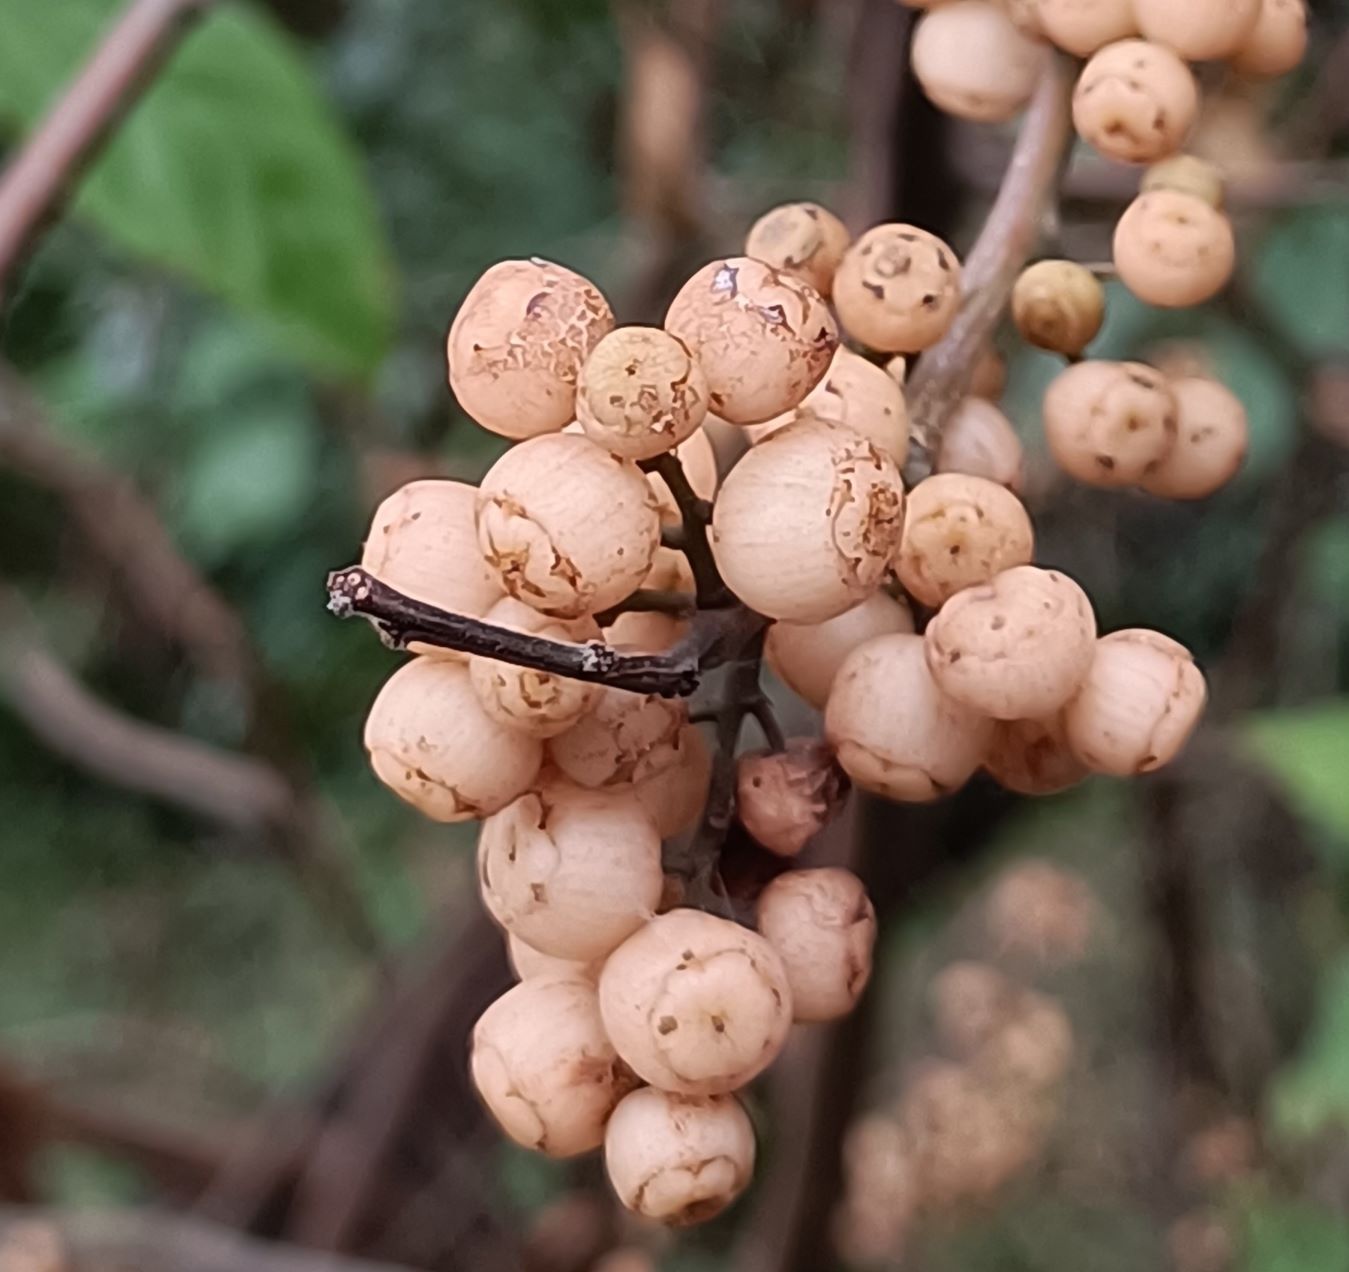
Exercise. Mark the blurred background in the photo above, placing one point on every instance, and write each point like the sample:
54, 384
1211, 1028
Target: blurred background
236, 975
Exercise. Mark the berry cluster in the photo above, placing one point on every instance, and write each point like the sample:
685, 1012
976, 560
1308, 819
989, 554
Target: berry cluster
914, 619
966, 1121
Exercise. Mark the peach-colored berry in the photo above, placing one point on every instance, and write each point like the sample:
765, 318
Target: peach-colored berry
893, 730
802, 239
696, 1004
979, 440
1136, 102
973, 62
544, 1068
1110, 423
1199, 30
823, 925
1016, 648
762, 337
678, 1159
960, 531
1174, 250
1211, 442
1278, 41
518, 342
1032, 757
898, 289
784, 798
1141, 700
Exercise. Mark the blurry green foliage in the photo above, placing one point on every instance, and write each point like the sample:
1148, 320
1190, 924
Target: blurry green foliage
1295, 1237
1301, 275
1312, 1093
233, 171
1306, 750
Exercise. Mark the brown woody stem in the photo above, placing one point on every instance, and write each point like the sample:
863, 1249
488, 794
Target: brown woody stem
66, 141
942, 376
717, 637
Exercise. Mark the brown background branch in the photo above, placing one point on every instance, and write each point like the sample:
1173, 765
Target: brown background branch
66, 141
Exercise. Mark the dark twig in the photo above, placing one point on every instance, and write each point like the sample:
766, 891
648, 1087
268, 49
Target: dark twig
716, 637
651, 601
696, 512
1004, 245
66, 141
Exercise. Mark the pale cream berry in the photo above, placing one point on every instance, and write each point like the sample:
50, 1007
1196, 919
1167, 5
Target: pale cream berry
1199, 30
1278, 41
1211, 442
645, 632
678, 1159
572, 872
1141, 700
823, 925
1032, 757
538, 528
641, 393
973, 62
1082, 27
989, 378
700, 467
898, 289
806, 656
1186, 174
968, 1140
544, 1068
527, 962
970, 1003
1059, 306
626, 1259
980, 440
806, 523
518, 342
856, 393
431, 743
783, 798
1110, 423
960, 531
762, 337
1016, 648
1032, 1051
539, 703
625, 738
894, 732
676, 796
1041, 911
423, 542
696, 1004
803, 239
1174, 250
1135, 102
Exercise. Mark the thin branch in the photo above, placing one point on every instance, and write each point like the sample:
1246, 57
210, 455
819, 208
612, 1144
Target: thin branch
233, 790
401, 621
71, 135
648, 600
122, 527
696, 514
942, 376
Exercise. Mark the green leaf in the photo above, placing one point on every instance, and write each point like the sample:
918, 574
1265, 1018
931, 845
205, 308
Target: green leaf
248, 482
1295, 1237
1313, 1092
1306, 750
1301, 274
233, 172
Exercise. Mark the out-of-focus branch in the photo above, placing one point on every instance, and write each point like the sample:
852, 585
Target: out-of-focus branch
122, 527
1004, 245
65, 142
153, 1241
234, 790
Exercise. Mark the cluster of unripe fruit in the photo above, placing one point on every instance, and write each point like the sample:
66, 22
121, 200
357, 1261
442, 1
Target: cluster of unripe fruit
914, 619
